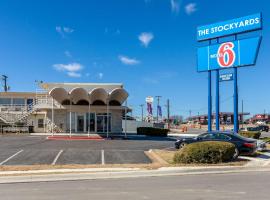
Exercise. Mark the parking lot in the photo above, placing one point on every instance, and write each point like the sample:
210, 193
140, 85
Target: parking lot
37, 150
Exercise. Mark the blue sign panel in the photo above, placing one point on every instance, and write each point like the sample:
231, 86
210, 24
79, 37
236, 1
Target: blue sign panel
239, 25
226, 77
236, 53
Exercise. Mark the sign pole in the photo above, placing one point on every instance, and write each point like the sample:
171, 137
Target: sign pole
217, 100
235, 118
209, 102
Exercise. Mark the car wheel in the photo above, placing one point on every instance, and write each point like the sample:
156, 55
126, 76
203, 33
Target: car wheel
182, 145
236, 154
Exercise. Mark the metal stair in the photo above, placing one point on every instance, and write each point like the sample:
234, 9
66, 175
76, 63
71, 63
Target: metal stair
12, 117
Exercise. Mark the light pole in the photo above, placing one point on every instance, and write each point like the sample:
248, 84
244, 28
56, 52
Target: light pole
142, 111
158, 98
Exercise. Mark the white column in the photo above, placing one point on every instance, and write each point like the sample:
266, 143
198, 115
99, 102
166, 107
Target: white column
76, 125
52, 117
89, 115
108, 116
126, 119
70, 126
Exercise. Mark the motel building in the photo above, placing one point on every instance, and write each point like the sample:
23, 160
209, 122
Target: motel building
71, 108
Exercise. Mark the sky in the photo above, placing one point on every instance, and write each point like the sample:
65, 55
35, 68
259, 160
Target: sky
148, 45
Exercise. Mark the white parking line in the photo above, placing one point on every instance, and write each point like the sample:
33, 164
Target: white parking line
102, 157
57, 156
3, 162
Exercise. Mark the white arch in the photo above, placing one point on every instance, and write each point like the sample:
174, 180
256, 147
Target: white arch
98, 94
59, 94
77, 94
118, 94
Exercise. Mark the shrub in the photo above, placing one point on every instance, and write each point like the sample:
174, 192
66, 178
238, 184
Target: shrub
205, 152
251, 134
152, 131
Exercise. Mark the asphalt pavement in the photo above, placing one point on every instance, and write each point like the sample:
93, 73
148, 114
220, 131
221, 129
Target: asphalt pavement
234, 186
37, 150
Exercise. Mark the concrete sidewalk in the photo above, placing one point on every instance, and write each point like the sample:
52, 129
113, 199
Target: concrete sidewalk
90, 174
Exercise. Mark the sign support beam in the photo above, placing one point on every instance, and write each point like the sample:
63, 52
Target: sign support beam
217, 101
235, 118
209, 102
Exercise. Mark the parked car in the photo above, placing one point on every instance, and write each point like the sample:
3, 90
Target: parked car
244, 146
253, 128
263, 128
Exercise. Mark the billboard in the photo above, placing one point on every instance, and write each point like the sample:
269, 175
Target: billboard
226, 77
234, 26
228, 54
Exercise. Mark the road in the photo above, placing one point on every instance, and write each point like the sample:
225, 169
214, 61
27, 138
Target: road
252, 185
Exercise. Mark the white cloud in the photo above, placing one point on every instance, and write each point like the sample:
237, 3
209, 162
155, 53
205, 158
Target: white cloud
175, 6
71, 69
128, 61
74, 74
68, 54
100, 75
68, 30
146, 38
191, 8
64, 30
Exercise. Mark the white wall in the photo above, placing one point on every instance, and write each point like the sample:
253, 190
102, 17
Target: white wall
132, 125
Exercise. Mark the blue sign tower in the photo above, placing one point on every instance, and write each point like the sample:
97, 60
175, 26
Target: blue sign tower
233, 53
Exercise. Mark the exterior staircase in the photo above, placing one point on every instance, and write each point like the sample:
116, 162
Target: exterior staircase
11, 117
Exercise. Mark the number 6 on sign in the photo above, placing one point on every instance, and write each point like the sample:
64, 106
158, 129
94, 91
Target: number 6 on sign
226, 54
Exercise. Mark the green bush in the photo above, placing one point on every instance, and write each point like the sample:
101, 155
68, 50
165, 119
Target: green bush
205, 152
250, 134
150, 131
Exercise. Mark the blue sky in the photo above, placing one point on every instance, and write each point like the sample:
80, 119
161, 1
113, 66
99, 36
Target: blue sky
149, 45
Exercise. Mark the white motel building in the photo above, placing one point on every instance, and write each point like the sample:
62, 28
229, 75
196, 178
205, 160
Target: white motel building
65, 108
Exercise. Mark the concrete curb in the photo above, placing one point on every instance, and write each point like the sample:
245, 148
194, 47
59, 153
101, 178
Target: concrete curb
128, 174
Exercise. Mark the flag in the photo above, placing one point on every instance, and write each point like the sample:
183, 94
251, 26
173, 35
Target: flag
159, 110
149, 108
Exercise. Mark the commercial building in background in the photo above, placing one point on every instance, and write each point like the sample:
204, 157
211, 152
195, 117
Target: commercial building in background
225, 118
65, 108
260, 118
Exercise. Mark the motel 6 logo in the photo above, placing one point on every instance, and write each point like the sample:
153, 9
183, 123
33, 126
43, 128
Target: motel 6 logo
226, 55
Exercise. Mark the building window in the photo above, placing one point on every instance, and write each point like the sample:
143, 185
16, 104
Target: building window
5, 101
18, 101
40, 123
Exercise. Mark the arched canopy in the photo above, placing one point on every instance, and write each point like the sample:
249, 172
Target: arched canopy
98, 94
78, 94
59, 94
118, 94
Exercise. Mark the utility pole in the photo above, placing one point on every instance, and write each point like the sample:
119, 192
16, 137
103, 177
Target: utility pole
158, 97
168, 110
4, 77
242, 113
142, 110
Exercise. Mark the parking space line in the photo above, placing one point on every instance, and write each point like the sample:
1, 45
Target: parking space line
102, 157
57, 156
3, 162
